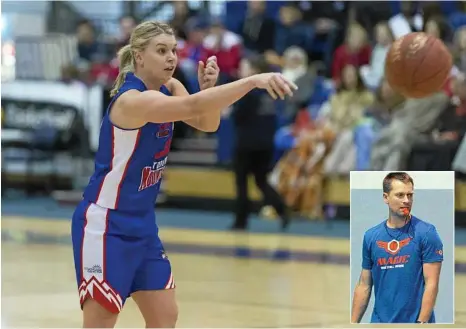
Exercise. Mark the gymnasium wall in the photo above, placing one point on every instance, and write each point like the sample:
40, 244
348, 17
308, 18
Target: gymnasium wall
208, 188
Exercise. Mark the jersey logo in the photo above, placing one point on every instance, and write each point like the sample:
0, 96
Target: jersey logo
164, 132
394, 246
150, 176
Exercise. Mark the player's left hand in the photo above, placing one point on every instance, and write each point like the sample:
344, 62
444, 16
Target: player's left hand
207, 74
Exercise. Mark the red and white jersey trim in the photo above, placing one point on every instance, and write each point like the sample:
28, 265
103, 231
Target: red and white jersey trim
124, 144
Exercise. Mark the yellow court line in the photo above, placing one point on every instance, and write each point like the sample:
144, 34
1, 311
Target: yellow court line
200, 237
211, 238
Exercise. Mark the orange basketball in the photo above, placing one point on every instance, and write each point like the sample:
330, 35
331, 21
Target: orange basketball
417, 65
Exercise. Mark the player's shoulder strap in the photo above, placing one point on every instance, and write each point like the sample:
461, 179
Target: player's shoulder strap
130, 82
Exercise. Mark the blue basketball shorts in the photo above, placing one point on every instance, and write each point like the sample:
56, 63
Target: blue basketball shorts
117, 254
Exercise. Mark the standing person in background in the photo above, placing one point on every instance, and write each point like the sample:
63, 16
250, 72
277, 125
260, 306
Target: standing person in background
255, 124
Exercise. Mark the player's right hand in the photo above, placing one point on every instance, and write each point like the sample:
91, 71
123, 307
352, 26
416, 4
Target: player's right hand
275, 84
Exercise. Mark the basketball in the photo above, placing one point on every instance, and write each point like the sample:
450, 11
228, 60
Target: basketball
417, 65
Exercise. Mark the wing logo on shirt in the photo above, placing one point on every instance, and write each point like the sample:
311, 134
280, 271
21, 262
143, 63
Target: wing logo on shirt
394, 246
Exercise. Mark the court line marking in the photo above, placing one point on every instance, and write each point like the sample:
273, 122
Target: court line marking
31, 237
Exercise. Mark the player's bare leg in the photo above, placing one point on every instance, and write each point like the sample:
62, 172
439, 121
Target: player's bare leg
97, 316
158, 307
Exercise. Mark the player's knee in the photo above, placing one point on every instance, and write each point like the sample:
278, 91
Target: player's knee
165, 320
96, 315
172, 317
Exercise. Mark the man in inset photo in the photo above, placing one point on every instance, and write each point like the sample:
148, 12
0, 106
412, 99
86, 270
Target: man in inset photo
401, 258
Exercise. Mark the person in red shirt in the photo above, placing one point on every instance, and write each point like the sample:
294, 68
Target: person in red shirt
227, 47
355, 51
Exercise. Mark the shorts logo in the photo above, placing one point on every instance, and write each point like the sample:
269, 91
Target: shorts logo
440, 252
394, 246
93, 269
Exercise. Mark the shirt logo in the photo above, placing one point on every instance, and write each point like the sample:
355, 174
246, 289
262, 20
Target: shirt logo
394, 246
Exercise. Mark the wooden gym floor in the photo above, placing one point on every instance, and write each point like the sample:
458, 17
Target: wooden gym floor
223, 279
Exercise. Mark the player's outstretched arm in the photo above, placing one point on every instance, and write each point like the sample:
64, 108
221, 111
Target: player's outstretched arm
153, 106
208, 122
362, 295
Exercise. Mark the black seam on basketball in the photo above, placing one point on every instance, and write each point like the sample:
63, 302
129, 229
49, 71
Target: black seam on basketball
432, 76
426, 51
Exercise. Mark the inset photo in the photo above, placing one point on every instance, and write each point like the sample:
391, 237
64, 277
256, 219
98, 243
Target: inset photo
402, 235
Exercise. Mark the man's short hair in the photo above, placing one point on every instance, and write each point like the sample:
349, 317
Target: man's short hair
398, 175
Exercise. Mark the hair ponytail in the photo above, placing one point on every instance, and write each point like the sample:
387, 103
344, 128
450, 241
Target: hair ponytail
125, 57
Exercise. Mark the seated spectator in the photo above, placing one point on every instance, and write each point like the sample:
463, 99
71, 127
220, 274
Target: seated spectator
370, 13
328, 19
182, 13
376, 117
88, 47
459, 49
258, 30
291, 31
298, 176
325, 16
296, 70
355, 51
71, 76
438, 150
104, 72
409, 20
373, 73
227, 46
459, 162
191, 50
127, 24
411, 120
341, 114
437, 26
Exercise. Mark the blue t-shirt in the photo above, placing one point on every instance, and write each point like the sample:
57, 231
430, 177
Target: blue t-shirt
395, 258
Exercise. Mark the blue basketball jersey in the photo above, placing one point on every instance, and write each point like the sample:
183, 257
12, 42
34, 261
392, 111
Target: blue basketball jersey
395, 257
129, 162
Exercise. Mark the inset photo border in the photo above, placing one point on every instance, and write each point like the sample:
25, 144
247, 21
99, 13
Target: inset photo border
402, 235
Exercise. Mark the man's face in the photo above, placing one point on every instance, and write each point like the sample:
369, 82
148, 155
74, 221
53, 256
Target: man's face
400, 198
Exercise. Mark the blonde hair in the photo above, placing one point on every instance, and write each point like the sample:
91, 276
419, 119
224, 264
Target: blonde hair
140, 38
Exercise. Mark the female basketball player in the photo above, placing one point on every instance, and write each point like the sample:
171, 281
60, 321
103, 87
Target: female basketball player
117, 250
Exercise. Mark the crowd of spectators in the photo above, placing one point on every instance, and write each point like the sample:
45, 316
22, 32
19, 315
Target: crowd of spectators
335, 52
